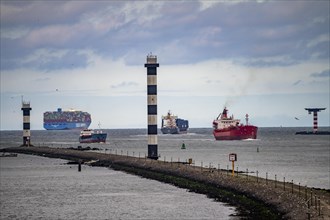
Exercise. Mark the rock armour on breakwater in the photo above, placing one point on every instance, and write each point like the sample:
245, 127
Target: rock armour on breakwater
283, 205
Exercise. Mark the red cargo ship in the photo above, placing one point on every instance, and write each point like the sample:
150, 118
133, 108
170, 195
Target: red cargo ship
228, 128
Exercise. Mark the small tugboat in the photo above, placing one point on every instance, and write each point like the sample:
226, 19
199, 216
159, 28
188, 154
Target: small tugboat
92, 136
228, 128
171, 124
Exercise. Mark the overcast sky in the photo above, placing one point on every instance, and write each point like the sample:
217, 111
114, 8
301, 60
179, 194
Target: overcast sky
269, 59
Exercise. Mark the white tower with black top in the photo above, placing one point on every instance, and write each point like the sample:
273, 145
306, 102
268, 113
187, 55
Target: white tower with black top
151, 66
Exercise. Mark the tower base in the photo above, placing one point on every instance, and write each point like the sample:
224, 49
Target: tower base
153, 152
26, 142
313, 133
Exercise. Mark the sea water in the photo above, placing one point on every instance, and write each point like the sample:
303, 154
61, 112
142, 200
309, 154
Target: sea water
303, 159
34, 187
276, 151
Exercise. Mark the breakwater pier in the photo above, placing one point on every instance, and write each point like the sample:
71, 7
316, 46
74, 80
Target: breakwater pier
255, 197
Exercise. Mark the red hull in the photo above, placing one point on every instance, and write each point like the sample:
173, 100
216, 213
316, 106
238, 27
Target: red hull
236, 133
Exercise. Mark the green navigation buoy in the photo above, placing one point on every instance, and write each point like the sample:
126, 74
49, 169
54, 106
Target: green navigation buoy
183, 146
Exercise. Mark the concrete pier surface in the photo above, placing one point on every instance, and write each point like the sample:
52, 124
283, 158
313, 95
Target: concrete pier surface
254, 197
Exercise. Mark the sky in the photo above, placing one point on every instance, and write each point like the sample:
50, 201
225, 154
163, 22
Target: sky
269, 59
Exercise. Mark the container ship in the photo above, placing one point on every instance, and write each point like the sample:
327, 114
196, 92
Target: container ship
228, 128
91, 136
66, 120
171, 124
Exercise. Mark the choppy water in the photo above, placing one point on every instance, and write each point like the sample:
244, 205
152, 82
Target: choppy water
35, 187
301, 158
305, 159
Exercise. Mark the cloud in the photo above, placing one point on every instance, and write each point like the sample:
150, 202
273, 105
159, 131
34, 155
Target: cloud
213, 81
268, 62
124, 84
297, 82
205, 49
37, 14
319, 40
51, 36
44, 79
48, 60
324, 73
52, 62
183, 32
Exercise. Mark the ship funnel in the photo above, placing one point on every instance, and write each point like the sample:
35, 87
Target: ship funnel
247, 119
224, 113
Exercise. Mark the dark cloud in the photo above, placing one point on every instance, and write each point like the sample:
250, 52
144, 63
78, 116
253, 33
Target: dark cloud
324, 73
269, 29
12, 52
40, 13
8, 65
70, 60
48, 62
177, 31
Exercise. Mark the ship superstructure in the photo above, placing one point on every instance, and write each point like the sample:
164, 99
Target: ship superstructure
92, 136
63, 120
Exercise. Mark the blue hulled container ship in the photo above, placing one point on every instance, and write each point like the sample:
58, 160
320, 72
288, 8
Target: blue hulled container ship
66, 120
171, 124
